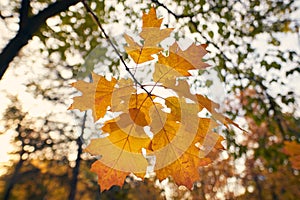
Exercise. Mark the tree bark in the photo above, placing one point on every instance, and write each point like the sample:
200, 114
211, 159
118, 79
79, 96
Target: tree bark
29, 26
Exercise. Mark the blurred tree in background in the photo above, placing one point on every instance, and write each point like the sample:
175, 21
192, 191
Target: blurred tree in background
253, 49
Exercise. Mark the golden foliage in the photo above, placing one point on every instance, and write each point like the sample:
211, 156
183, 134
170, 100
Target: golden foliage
181, 141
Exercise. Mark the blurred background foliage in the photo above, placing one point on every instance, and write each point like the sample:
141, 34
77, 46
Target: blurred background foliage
247, 42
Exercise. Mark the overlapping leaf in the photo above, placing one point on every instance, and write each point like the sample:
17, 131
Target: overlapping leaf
181, 141
151, 35
183, 61
175, 145
95, 96
108, 175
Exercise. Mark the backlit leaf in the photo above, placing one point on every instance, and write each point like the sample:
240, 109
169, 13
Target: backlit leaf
166, 127
183, 61
107, 175
95, 96
151, 34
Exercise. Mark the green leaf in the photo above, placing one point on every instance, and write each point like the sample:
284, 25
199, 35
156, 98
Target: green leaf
211, 34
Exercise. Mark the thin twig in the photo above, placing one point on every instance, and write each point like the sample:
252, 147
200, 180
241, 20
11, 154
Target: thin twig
171, 12
96, 19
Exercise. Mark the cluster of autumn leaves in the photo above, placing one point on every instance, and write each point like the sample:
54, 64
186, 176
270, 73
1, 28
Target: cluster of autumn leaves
177, 138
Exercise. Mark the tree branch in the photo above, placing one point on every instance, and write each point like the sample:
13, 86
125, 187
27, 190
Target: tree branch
97, 21
24, 12
27, 30
274, 105
171, 12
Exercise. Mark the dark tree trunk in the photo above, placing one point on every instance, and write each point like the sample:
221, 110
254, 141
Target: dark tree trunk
11, 183
13, 180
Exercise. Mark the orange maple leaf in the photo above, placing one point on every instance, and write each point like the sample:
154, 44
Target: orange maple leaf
95, 96
107, 176
184, 170
139, 108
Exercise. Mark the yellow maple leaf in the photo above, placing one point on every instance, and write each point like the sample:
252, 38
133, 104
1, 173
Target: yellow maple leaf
138, 53
151, 35
193, 54
121, 150
151, 32
184, 142
183, 61
167, 77
95, 96
180, 140
122, 94
184, 169
150, 19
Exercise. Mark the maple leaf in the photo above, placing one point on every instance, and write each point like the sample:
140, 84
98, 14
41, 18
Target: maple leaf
139, 53
95, 96
150, 19
292, 149
139, 106
125, 135
174, 142
211, 107
121, 150
151, 32
135, 105
167, 77
122, 94
184, 168
181, 141
183, 61
107, 176
151, 35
